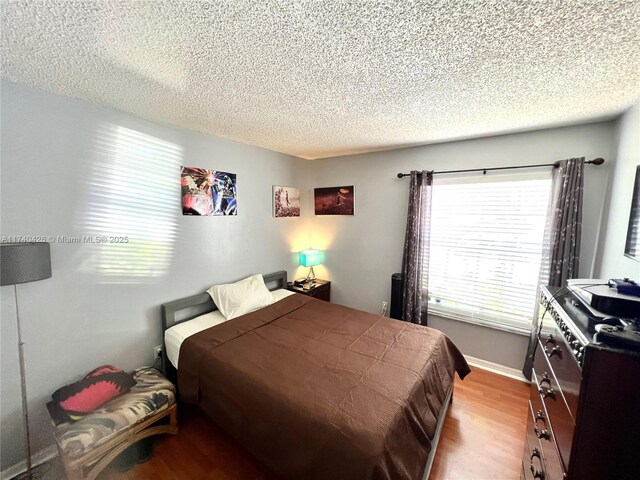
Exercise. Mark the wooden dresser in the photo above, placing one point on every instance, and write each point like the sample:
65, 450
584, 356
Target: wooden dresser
584, 408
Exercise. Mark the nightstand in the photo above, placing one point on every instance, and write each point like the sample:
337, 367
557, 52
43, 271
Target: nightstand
321, 289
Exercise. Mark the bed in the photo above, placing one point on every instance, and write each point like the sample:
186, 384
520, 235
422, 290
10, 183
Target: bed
317, 390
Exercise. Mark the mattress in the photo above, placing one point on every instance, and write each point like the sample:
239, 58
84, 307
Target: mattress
174, 336
316, 390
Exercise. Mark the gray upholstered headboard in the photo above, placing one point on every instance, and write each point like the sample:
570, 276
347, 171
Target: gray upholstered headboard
190, 307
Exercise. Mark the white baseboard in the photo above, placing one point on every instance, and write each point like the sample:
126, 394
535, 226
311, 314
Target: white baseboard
39, 458
496, 368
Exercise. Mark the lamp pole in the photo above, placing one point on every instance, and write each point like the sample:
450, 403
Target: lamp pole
23, 387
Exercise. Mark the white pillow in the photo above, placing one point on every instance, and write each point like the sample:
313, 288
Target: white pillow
235, 299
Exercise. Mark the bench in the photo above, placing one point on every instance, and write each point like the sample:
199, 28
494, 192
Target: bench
88, 445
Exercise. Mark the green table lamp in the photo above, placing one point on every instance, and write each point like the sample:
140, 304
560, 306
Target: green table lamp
310, 258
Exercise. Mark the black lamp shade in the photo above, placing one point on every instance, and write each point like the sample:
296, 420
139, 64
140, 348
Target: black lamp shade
24, 262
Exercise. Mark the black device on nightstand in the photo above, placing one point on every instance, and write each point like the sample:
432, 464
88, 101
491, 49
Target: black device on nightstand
320, 289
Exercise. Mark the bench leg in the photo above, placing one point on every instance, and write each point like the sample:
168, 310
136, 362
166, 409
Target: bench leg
74, 473
95, 461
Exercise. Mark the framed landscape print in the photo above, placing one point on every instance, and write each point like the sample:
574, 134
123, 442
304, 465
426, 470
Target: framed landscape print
334, 200
286, 201
208, 192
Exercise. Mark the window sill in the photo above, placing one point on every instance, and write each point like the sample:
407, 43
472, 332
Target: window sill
483, 323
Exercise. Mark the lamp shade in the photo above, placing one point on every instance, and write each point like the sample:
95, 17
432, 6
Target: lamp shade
311, 258
24, 262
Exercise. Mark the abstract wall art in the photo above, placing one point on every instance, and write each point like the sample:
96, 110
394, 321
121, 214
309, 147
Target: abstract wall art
208, 192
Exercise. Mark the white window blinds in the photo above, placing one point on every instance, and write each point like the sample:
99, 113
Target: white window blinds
486, 248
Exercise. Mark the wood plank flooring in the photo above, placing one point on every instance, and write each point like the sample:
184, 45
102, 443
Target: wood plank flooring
483, 434
482, 438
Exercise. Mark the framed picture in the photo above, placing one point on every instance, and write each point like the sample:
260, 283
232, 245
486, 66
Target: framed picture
334, 200
208, 192
286, 201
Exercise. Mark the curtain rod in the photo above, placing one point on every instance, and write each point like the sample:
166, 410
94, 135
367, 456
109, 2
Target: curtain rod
595, 161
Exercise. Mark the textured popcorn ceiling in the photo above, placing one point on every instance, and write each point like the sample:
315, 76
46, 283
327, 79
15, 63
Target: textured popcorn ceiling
325, 78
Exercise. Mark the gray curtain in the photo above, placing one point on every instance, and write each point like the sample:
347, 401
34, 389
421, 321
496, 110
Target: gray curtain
561, 250
566, 221
415, 259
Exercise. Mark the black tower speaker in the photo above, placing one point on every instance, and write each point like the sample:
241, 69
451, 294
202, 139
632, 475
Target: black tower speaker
397, 288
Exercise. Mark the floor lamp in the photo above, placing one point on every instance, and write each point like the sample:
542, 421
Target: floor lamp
22, 263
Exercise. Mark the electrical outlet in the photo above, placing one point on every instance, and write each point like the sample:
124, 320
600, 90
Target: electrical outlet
157, 351
385, 306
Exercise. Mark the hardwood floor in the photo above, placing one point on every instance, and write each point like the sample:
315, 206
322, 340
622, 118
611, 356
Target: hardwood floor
482, 438
483, 434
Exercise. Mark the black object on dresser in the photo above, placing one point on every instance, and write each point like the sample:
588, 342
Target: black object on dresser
584, 408
320, 289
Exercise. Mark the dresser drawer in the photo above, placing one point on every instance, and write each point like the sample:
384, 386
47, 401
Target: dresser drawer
525, 459
551, 402
543, 433
533, 459
563, 362
531, 438
528, 462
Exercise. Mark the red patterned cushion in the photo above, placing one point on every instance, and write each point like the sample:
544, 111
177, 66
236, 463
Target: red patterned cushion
96, 388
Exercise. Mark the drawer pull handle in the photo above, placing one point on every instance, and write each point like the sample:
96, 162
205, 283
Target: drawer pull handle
545, 378
534, 471
537, 473
549, 392
541, 432
544, 433
554, 351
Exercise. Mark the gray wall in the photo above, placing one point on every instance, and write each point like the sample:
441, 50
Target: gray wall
363, 251
613, 263
62, 161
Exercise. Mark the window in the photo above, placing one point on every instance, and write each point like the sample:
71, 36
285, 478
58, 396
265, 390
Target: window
486, 248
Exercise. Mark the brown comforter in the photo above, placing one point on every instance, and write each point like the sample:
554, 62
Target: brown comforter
320, 391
